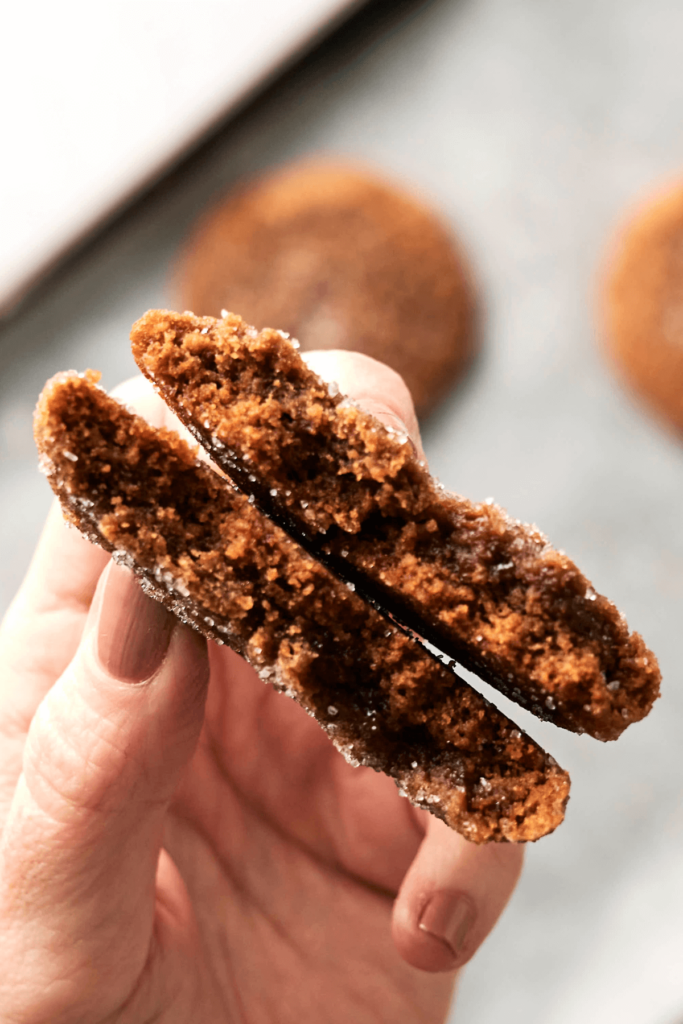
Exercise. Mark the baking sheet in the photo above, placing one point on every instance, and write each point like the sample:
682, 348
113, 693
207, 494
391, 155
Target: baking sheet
97, 99
533, 127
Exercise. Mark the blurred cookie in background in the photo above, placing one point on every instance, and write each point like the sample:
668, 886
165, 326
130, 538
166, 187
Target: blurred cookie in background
339, 259
644, 304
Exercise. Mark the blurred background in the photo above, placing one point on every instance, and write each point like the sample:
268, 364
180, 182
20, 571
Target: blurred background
532, 126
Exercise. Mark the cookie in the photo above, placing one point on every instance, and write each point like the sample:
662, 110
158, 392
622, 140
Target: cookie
204, 551
487, 590
644, 306
339, 259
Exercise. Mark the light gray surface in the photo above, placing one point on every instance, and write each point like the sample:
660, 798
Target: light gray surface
532, 126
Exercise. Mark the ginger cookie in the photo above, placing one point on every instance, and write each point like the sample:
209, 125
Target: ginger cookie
337, 258
203, 550
487, 590
644, 305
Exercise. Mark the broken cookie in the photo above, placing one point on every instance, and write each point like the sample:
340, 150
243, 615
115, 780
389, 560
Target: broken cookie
205, 551
487, 590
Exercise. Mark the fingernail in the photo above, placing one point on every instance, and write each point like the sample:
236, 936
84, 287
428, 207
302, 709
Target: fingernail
449, 917
133, 631
389, 419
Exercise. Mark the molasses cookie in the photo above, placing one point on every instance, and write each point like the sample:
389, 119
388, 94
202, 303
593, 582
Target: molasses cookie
644, 305
487, 590
203, 550
338, 259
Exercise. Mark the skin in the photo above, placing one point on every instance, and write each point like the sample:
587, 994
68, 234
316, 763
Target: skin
190, 846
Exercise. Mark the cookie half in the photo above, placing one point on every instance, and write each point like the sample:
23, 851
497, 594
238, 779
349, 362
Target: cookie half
204, 551
487, 590
339, 259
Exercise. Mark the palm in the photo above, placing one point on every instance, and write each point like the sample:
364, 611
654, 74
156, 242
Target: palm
272, 829
269, 835
270, 899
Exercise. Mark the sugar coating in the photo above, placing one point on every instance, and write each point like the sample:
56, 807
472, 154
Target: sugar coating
198, 546
487, 590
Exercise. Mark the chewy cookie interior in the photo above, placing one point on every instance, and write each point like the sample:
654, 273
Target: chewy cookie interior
487, 590
207, 553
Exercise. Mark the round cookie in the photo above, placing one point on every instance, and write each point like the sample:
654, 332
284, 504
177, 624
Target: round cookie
339, 259
644, 305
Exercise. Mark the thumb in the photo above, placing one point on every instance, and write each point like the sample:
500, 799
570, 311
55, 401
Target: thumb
451, 897
376, 387
102, 758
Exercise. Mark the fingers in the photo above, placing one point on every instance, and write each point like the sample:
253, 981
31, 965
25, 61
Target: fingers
40, 634
43, 627
377, 388
44, 623
454, 891
451, 897
102, 758
139, 394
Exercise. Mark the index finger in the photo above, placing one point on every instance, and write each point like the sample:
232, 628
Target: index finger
43, 626
44, 623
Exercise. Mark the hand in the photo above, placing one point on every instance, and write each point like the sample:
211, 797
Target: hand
181, 843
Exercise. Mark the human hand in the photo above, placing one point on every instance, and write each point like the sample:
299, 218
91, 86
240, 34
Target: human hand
180, 843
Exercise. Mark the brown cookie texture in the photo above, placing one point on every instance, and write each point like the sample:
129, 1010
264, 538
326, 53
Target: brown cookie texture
644, 305
487, 590
201, 548
339, 259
